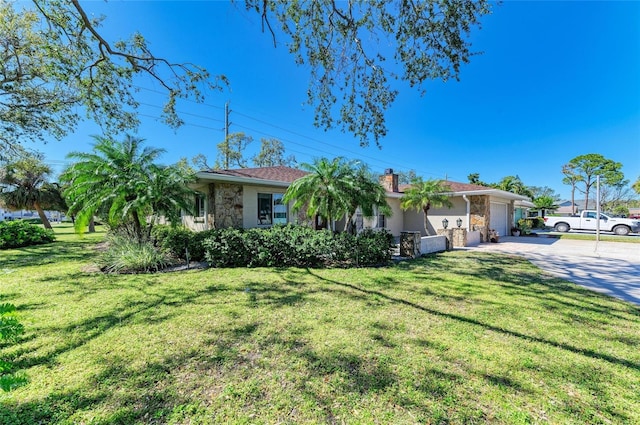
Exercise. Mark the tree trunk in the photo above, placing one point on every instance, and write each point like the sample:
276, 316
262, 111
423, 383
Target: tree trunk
43, 217
573, 199
92, 226
426, 221
136, 226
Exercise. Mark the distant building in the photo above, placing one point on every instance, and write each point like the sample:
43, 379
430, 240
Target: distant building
579, 205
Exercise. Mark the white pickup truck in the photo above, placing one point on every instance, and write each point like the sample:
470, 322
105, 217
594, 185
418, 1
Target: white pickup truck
587, 221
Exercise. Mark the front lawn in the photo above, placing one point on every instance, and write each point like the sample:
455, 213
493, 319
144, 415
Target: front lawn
460, 337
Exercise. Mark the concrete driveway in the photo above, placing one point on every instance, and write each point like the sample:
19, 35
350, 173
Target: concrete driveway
612, 268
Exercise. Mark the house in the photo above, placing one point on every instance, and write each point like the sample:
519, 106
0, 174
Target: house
566, 209
243, 198
252, 197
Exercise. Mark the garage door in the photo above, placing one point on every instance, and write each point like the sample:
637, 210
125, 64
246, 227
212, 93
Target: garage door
498, 220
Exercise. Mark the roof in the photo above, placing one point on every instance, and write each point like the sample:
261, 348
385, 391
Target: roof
279, 173
458, 188
455, 187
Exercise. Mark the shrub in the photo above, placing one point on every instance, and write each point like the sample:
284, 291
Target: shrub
126, 256
175, 240
299, 246
537, 223
525, 225
367, 248
226, 248
16, 234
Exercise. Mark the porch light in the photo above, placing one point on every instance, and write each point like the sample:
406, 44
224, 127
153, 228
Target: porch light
445, 223
459, 222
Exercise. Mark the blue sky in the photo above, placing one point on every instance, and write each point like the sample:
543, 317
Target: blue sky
554, 80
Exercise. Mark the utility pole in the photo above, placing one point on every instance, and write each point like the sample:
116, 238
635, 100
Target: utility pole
226, 134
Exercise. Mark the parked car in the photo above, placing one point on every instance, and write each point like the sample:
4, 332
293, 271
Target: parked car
587, 220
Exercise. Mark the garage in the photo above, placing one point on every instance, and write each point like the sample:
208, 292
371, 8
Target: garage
498, 219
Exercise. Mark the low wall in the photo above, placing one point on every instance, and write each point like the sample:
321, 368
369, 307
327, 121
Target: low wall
473, 238
429, 244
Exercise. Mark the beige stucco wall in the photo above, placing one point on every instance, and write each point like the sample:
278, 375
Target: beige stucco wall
395, 223
414, 220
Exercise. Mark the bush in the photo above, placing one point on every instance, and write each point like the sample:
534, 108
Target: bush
226, 248
174, 240
297, 246
526, 224
367, 248
16, 234
126, 256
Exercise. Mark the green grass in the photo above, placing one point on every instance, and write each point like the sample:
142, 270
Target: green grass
590, 237
453, 338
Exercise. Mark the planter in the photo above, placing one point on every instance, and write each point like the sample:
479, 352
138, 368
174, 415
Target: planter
515, 232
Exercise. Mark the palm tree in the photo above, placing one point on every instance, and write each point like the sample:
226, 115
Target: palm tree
366, 194
325, 191
424, 194
544, 203
513, 184
27, 187
122, 181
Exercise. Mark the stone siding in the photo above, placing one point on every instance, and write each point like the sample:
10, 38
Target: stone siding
480, 215
226, 200
459, 237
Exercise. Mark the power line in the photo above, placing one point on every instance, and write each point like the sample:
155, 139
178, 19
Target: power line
383, 163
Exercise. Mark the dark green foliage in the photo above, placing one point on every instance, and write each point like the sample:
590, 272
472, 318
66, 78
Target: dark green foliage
10, 329
175, 240
295, 246
16, 234
368, 248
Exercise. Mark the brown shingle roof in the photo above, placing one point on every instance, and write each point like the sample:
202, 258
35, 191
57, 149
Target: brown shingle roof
455, 187
279, 173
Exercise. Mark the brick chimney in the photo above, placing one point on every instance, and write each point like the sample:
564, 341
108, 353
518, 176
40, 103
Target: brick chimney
389, 180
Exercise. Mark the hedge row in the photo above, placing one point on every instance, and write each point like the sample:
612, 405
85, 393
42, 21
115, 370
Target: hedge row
278, 246
18, 233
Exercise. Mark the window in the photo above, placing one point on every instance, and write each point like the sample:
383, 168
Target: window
200, 205
381, 221
271, 209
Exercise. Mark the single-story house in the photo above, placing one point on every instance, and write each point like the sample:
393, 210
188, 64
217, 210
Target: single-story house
566, 208
252, 197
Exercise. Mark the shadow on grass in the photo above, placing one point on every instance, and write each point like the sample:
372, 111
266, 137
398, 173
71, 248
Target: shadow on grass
568, 347
128, 395
50, 253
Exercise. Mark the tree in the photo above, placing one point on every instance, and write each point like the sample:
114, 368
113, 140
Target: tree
571, 178
55, 63
544, 198
591, 165
424, 194
27, 186
545, 203
613, 196
366, 194
69, 63
272, 154
513, 184
474, 178
230, 151
339, 42
636, 186
538, 191
405, 177
326, 191
121, 181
